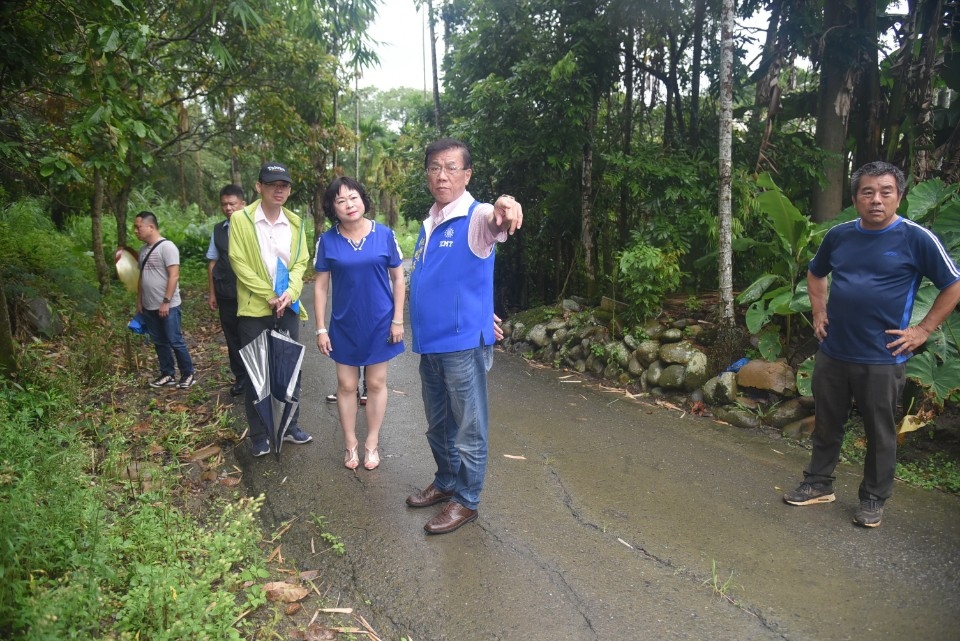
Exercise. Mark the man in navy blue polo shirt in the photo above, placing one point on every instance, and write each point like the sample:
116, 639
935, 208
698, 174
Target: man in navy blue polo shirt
877, 262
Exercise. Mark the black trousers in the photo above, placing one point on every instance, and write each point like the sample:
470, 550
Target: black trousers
227, 309
251, 327
877, 390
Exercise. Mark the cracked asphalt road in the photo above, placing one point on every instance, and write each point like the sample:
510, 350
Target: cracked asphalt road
623, 520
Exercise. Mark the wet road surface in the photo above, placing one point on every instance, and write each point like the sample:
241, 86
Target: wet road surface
623, 520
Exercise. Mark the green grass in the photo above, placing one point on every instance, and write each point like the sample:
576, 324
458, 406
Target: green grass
938, 471
407, 232
916, 465
84, 552
87, 554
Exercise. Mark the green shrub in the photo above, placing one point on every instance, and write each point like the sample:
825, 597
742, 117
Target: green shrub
38, 261
46, 500
646, 275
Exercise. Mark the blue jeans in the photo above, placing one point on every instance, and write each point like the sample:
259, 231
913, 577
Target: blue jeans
168, 341
454, 386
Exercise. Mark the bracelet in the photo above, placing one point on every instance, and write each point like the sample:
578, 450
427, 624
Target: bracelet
394, 322
322, 330
506, 196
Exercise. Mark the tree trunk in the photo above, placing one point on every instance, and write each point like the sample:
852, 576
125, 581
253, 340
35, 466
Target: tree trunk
433, 61
762, 94
673, 98
921, 90
96, 226
769, 91
120, 209
184, 128
725, 234
833, 109
586, 207
335, 152
623, 219
867, 128
356, 105
699, 14
902, 66
8, 353
236, 176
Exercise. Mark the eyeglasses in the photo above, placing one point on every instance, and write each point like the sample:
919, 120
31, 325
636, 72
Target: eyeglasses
279, 185
451, 170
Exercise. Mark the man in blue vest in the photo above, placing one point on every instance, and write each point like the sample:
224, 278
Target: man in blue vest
451, 314
223, 283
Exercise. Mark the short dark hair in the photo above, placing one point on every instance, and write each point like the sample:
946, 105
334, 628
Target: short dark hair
149, 217
878, 168
445, 144
334, 190
233, 190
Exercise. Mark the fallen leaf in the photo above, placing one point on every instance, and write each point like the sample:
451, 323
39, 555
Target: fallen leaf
317, 632
292, 609
230, 481
911, 423
204, 453
142, 427
208, 475
284, 592
309, 575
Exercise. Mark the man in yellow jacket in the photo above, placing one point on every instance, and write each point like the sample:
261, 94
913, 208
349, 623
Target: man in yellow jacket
268, 245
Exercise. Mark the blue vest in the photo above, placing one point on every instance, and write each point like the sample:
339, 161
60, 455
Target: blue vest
451, 291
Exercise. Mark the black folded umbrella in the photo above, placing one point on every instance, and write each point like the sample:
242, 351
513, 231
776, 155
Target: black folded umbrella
273, 361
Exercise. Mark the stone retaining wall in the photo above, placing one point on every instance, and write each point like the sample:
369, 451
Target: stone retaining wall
664, 360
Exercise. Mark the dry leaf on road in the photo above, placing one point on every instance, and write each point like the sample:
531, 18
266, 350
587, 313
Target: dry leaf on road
284, 592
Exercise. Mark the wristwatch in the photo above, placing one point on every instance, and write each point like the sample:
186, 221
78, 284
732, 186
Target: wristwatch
322, 330
165, 300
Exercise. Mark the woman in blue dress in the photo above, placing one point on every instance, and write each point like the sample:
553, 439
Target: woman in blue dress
361, 259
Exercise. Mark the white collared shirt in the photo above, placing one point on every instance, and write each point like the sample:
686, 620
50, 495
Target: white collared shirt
275, 240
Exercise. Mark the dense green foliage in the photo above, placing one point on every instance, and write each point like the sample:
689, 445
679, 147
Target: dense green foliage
40, 262
592, 113
601, 117
778, 298
87, 549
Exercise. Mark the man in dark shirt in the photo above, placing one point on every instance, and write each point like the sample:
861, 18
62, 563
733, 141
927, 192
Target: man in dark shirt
877, 262
223, 283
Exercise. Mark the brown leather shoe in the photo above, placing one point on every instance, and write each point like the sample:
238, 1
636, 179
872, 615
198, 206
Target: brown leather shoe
452, 516
428, 497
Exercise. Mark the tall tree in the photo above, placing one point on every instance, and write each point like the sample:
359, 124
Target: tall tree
8, 354
431, 18
724, 215
837, 61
